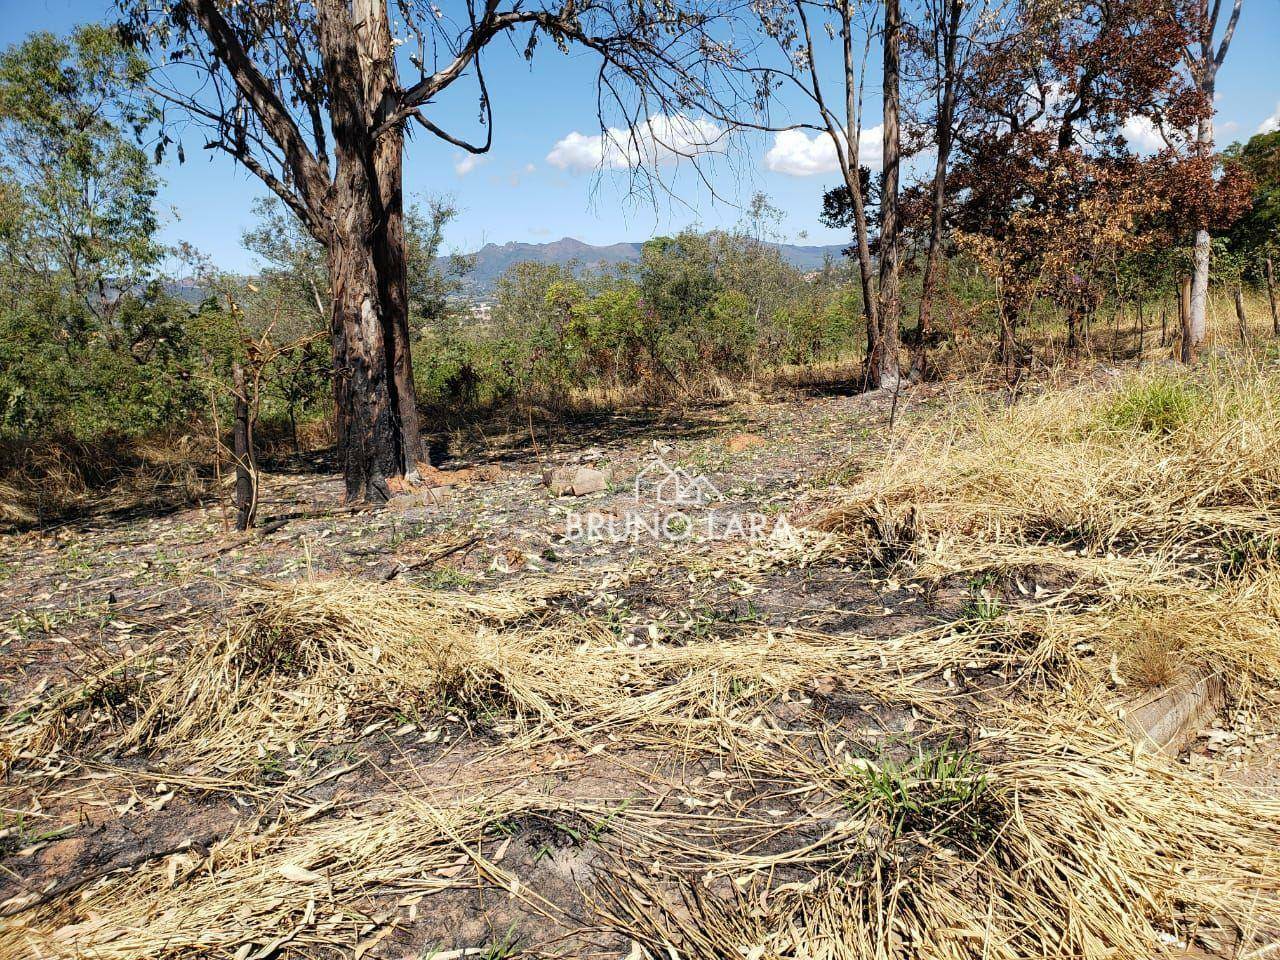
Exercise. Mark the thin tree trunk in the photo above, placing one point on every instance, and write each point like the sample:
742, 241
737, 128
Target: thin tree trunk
942, 138
1205, 70
890, 276
1142, 330
241, 445
1241, 317
1164, 326
1271, 295
852, 170
1188, 348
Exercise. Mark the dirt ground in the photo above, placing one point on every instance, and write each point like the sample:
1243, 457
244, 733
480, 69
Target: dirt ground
79, 596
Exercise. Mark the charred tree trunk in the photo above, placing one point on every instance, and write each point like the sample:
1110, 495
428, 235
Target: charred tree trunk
376, 51
1188, 348
377, 419
242, 448
370, 448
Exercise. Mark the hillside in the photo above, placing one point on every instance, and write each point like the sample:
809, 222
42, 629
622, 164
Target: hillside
494, 259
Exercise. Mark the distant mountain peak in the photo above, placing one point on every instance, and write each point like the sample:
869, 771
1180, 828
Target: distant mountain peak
493, 260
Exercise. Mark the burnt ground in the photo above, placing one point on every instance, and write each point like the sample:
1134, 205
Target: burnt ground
82, 595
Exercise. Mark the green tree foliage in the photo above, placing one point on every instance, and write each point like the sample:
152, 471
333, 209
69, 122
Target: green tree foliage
698, 307
1257, 234
89, 343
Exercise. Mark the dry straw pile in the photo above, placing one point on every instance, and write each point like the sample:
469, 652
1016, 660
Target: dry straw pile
1147, 513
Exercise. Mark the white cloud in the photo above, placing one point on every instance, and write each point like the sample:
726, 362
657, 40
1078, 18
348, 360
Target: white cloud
464, 163
797, 154
1272, 123
1142, 135
659, 139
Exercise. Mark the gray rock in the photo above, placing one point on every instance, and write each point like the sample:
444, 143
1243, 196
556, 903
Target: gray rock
575, 481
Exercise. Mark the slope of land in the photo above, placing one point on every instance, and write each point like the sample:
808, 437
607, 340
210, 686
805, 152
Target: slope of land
885, 727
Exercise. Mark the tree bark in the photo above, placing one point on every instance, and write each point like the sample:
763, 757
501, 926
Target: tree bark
1241, 317
377, 61
1206, 73
885, 358
377, 421
1271, 295
242, 447
852, 171
369, 442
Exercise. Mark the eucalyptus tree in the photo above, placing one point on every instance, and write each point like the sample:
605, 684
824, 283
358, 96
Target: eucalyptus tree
1206, 50
824, 39
315, 99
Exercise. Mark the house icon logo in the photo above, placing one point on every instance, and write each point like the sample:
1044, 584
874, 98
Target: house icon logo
658, 482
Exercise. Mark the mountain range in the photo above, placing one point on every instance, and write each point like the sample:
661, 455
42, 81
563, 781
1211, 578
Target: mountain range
494, 259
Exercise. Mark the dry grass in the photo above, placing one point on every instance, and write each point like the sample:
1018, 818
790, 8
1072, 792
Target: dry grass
1053, 840
1022, 823
316, 658
1068, 846
1150, 508
297, 885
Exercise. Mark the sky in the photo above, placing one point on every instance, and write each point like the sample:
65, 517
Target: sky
542, 180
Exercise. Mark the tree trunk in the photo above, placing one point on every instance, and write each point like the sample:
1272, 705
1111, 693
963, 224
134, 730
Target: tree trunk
378, 67
242, 447
370, 447
852, 171
1188, 347
886, 360
933, 264
1271, 295
1241, 317
377, 423
1196, 323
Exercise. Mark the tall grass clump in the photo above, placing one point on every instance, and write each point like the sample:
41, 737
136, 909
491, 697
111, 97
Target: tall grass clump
1154, 501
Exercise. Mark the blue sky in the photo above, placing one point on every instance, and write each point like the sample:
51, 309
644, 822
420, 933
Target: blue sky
536, 184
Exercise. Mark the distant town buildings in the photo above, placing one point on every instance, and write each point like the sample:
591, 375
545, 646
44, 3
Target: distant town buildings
479, 311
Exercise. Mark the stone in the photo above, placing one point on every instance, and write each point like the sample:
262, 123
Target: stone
574, 481
1168, 718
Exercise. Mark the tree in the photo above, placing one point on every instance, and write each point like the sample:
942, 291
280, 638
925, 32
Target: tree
81, 217
938, 46
1205, 54
89, 342
1256, 235
310, 99
799, 29
882, 354
1044, 171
